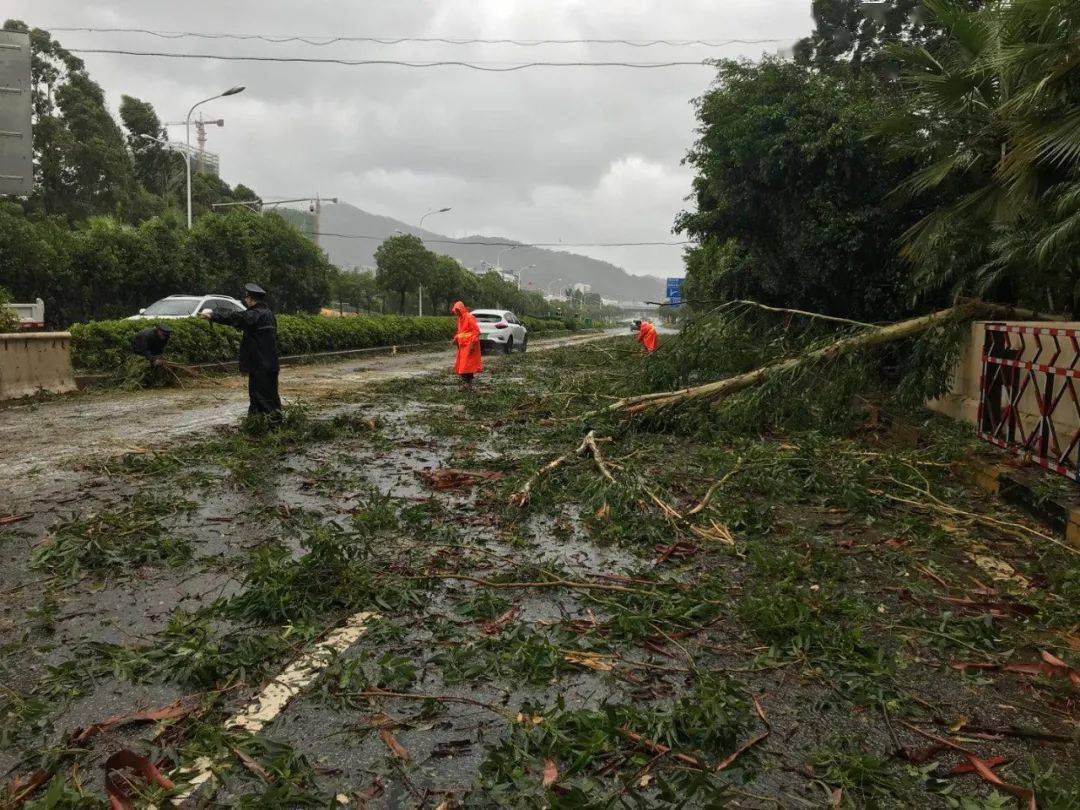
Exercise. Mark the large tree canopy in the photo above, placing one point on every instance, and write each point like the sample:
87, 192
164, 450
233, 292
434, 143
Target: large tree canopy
791, 196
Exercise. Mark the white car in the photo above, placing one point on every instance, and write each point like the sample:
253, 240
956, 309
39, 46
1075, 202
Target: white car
500, 329
185, 306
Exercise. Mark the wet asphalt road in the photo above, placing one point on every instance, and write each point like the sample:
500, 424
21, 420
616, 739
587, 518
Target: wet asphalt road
43, 441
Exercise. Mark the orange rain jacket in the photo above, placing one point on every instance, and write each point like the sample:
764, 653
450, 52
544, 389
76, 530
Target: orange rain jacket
647, 336
468, 341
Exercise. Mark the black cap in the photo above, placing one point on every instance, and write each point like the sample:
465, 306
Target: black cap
254, 290
163, 328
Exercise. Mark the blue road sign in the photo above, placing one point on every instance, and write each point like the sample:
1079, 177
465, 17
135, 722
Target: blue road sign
674, 290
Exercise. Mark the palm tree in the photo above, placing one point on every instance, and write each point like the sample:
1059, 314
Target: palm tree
994, 117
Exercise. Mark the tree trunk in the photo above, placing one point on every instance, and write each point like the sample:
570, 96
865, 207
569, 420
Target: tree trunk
880, 335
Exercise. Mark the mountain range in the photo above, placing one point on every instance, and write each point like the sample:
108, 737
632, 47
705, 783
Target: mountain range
555, 269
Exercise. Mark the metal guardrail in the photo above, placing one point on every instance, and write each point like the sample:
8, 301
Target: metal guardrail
1028, 402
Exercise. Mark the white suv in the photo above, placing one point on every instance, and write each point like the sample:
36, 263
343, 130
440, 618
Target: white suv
501, 329
185, 306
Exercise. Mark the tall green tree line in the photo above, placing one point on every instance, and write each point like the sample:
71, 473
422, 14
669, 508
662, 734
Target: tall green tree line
404, 265
909, 154
102, 234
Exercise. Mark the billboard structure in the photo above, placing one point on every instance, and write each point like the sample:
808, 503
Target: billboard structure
16, 136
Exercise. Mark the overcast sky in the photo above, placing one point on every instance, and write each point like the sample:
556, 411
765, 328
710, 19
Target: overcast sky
550, 154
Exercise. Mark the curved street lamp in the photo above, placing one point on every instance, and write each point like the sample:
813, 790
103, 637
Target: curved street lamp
429, 213
522, 270
498, 259
232, 91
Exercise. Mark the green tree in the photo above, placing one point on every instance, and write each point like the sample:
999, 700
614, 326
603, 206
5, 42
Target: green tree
81, 162
9, 319
447, 283
35, 262
151, 161
228, 250
357, 289
854, 35
790, 194
402, 264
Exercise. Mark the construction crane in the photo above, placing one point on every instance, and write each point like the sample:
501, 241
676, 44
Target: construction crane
200, 132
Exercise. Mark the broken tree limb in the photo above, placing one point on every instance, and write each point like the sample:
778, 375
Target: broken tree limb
708, 495
589, 443
521, 497
720, 389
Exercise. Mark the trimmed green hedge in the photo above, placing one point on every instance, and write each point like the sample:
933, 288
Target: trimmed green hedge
105, 346
536, 325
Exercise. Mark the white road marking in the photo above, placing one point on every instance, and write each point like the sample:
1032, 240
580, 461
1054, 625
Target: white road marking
269, 703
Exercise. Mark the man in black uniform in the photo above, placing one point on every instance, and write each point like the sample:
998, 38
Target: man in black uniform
151, 342
258, 349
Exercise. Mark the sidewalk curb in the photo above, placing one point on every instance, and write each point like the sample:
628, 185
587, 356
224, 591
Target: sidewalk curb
997, 479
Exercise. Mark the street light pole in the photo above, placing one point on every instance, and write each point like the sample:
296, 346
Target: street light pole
429, 213
420, 291
522, 270
232, 91
498, 259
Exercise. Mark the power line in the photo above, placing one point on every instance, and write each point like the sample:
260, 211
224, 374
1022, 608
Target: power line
395, 62
323, 41
508, 244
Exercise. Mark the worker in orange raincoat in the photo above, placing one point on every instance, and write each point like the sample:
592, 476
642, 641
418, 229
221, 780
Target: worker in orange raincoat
467, 339
647, 336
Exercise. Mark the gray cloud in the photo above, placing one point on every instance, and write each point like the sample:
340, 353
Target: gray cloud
572, 154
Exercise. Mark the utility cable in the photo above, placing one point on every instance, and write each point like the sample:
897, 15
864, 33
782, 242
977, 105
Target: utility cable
395, 62
323, 41
505, 244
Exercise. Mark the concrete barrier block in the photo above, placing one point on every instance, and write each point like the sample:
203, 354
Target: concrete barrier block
34, 362
1072, 528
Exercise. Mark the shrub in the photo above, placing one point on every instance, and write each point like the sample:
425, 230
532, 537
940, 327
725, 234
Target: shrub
9, 319
536, 325
105, 346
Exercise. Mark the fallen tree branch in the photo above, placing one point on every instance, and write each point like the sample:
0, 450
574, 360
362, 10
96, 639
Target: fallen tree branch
380, 693
590, 444
552, 583
720, 389
657, 748
521, 497
709, 493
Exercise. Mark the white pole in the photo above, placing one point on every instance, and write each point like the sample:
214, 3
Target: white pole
187, 163
421, 300
187, 139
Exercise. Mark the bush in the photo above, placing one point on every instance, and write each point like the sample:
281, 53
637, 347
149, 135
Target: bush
537, 325
9, 319
105, 346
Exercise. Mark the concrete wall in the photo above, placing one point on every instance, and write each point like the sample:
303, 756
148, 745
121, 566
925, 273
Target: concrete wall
962, 400
33, 362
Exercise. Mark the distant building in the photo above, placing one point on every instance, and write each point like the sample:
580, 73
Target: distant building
582, 288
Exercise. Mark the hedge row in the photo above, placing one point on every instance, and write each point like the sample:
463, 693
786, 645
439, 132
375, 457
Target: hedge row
105, 346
